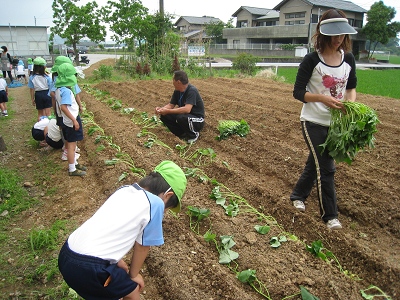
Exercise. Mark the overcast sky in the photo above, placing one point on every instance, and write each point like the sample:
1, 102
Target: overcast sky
40, 13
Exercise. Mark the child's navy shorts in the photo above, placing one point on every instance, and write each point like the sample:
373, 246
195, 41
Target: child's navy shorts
53, 144
87, 276
37, 134
42, 99
3, 96
72, 135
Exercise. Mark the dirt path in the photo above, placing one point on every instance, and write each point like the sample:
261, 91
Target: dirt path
262, 169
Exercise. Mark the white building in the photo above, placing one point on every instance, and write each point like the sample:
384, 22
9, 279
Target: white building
25, 41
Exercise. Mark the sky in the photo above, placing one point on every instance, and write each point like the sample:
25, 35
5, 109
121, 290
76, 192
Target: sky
40, 13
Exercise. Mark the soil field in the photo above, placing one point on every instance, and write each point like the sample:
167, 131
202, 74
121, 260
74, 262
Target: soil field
261, 168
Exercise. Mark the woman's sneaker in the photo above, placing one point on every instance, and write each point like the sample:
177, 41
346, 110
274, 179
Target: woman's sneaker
334, 224
299, 205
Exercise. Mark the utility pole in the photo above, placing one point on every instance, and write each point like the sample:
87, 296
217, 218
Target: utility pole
162, 8
35, 19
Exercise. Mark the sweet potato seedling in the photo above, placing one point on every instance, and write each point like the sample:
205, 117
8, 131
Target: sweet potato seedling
195, 216
318, 250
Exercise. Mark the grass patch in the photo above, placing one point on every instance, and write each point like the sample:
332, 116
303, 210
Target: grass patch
379, 82
394, 59
14, 197
372, 82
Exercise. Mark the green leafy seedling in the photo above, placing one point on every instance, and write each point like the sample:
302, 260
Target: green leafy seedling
276, 242
262, 229
372, 296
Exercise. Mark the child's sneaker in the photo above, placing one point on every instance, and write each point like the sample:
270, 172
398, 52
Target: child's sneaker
77, 173
64, 155
4, 114
80, 167
77, 150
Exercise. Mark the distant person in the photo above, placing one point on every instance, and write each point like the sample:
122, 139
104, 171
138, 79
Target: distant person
21, 71
57, 62
30, 66
325, 78
3, 96
184, 114
39, 84
72, 125
6, 62
91, 260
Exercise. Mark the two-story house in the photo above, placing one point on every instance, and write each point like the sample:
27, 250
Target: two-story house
289, 22
192, 29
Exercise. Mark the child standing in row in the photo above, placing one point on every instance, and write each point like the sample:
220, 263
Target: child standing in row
39, 84
30, 66
57, 62
3, 96
72, 125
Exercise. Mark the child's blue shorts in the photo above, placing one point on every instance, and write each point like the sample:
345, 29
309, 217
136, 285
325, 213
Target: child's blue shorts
88, 274
72, 135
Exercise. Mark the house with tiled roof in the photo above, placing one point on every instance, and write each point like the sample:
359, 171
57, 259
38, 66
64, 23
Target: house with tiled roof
192, 29
289, 22
247, 16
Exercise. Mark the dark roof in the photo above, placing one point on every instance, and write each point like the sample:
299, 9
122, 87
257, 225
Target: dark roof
253, 10
198, 20
339, 4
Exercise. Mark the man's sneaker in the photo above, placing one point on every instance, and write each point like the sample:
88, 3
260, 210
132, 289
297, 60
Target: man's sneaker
191, 141
80, 167
334, 224
77, 173
77, 150
299, 205
4, 114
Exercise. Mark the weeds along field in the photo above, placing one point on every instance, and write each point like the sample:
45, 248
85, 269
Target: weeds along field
238, 236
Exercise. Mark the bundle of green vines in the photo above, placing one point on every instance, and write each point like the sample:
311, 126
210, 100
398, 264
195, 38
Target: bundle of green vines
227, 128
350, 131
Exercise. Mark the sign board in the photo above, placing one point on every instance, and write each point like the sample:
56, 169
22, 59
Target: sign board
196, 51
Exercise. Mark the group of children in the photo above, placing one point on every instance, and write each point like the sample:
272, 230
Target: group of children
60, 93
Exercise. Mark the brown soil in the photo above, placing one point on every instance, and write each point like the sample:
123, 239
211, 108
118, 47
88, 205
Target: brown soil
261, 168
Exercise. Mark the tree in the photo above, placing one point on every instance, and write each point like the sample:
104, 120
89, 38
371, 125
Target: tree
379, 28
215, 30
73, 23
128, 20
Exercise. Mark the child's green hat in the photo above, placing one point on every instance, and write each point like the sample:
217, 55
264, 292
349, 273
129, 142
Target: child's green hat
175, 177
39, 61
58, 61
30, 61
66, 76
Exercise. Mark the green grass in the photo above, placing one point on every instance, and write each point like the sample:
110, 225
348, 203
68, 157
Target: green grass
373, 82
15, 197
394, 59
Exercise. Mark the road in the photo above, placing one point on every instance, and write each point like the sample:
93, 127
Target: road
98, 57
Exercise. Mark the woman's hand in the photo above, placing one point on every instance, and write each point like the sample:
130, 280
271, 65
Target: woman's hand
332, 102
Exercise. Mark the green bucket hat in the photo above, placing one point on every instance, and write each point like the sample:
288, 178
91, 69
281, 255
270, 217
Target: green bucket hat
175, 177
39, 61
30, 61
66, 76
58, 61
